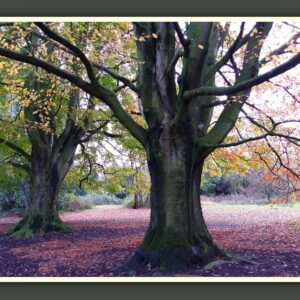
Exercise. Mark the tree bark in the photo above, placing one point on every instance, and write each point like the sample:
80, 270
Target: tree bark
137, 199
177, 235
46, 176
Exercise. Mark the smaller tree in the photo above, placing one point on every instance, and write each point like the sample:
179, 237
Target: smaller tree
50, 123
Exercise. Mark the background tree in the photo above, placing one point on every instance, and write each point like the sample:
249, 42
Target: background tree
178, 88
56, 118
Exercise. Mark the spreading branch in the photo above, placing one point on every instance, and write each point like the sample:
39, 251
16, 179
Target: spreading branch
117, 76
99, 91
58, 38
15, 148
267, 133
234, 47
281, 50
9, 160
127, 83
248, 84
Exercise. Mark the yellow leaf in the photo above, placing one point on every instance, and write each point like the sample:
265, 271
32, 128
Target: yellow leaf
268, 58
154, 35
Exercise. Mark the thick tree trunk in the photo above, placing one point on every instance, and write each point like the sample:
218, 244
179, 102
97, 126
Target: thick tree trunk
177, 235
46, 179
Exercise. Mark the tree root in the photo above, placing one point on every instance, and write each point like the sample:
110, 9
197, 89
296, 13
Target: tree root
173, 258
215, 264
228, 258
244, 260
157, 260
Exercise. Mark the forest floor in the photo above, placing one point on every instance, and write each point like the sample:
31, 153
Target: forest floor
103, 240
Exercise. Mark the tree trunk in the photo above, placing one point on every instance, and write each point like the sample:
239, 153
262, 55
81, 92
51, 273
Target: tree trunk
137, 199
177, 235
46, 178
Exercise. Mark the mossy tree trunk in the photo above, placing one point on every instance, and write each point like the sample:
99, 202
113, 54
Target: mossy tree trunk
178, 139
51, 157
46, 178
177, 235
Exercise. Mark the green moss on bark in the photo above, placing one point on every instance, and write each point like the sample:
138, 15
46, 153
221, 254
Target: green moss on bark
38, 224
170, 252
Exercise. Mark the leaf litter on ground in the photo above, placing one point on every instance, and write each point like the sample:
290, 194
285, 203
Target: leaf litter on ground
104, 239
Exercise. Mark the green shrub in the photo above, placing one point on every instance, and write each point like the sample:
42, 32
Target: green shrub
224, 185
9, 203
104, 199
71, 202
14, 194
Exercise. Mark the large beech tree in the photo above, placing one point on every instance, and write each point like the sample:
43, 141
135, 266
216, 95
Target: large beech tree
54, 130
177, 88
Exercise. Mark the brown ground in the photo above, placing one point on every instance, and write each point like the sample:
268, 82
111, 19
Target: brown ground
103, 240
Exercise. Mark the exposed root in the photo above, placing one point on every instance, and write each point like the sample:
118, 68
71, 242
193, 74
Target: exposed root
216, 263
180, 257
237, 258
244, 260
173, 258
228, 259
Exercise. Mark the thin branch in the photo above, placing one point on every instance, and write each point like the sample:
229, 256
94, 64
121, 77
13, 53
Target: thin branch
224, 78
91, 133
98, 66
219, 91
280, 50
235, 68
256, 138
260, 137
274, 126
179, 53
239, 42
286, 89
15, 148
58, 38
223, 36
112, 135
117, 76
44, 65
271, 169
185, 43
280, 160
292, 25
118, 89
